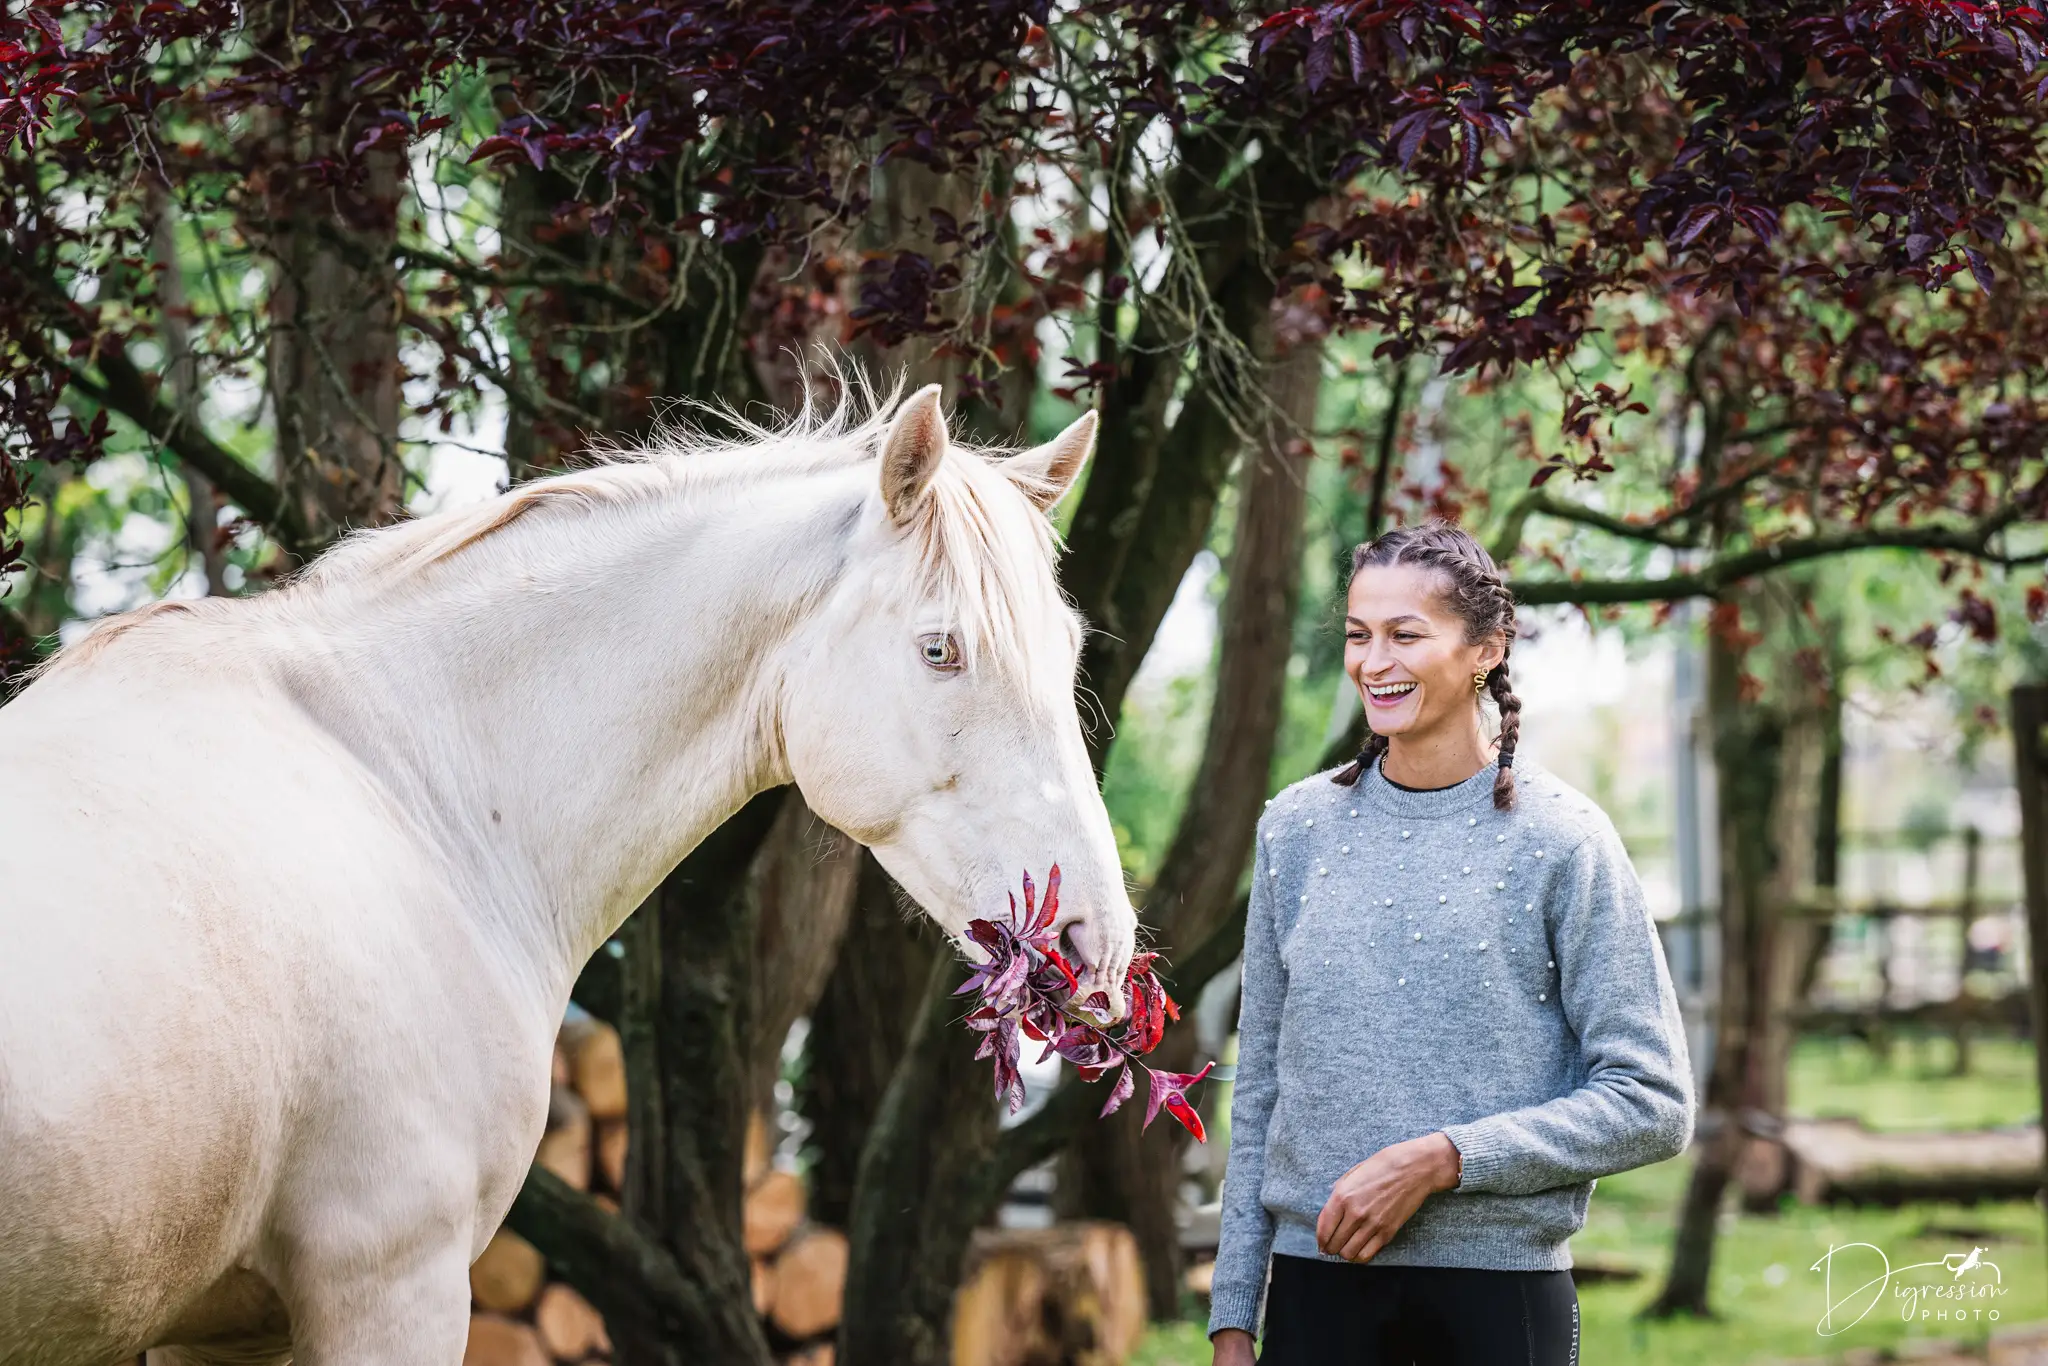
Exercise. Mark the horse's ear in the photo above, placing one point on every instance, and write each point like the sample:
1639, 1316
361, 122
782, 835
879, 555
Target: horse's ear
1045, 473
911, 452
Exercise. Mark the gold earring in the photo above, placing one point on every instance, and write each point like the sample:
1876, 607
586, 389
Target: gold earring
1478, 682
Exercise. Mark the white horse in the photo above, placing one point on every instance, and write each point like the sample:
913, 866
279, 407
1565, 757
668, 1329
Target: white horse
293, 888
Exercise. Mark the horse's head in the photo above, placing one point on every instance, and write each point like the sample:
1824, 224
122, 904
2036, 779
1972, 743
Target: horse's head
929, 708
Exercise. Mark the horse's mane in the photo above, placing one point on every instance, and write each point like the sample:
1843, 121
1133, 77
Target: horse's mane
983, 547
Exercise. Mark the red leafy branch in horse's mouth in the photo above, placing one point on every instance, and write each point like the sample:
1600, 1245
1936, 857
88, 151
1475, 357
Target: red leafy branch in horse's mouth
1027, 987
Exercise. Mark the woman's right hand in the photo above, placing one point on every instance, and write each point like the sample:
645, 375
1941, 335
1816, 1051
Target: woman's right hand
1233, 1348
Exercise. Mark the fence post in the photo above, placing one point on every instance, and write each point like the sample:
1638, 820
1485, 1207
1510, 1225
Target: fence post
2029, 731
1966, 916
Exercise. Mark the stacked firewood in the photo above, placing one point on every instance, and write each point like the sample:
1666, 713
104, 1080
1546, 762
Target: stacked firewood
799, 1266
521, 1318
1071, 1295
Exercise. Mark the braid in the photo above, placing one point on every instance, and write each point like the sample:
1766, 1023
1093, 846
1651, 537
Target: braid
1375, 746
1498, 684
1475, 591
1510, 731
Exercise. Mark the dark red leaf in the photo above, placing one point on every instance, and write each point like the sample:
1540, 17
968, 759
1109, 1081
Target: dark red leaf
1177, 1105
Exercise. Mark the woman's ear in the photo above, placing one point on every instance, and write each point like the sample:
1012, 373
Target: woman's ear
1495, 651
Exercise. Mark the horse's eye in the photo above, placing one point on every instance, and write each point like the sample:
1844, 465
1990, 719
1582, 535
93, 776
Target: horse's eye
940, 652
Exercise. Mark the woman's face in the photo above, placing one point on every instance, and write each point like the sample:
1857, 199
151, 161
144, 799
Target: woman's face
1406, 651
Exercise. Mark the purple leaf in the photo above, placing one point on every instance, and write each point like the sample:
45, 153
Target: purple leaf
1322, 57
1696, 221
1119, 1092
1979, 268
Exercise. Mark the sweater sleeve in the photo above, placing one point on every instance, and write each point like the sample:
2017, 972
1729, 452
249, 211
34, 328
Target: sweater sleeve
1636, 1104
1245, 1241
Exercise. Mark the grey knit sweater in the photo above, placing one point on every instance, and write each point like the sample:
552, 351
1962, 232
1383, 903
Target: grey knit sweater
1417, 961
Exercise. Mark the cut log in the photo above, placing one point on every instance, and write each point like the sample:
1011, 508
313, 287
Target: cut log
498, 1341
507, 1277
597, 1067
774, 1207
565, 1147
569, 1328
1072, 1293
1839, 1161
763, 1281
810, 1283
611, 1153
1598, 1270
1763, 1173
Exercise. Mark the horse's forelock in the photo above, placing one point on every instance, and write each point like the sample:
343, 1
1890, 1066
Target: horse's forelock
986, 553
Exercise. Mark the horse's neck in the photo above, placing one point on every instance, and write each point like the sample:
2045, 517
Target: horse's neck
569, 706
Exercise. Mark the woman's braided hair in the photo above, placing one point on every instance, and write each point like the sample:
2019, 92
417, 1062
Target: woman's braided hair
1474, 591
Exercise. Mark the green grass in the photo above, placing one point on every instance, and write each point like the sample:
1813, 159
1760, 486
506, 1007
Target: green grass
1914, 1091
1767, 1298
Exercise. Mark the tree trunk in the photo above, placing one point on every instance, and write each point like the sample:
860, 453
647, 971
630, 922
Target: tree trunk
1787, 945
332, 370
1152, 487
686, 1016
921, 1189
1745, 749
860, 1028
1119, 1170
1768, 766
900, 219
803, 884
2029, 724
606, 352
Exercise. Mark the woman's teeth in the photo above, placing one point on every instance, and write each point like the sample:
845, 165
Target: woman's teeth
1392, 690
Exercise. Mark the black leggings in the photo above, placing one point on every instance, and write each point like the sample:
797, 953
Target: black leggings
1347, 1314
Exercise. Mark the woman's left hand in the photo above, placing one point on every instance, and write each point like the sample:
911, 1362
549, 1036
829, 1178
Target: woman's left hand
1370, 1202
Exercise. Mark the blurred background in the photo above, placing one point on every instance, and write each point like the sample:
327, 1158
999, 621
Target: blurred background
1724, 334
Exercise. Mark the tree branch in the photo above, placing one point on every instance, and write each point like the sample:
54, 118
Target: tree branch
126, 392
1656, 531
1537, 502
538, 404
1710, 579
611, 1261
122, 389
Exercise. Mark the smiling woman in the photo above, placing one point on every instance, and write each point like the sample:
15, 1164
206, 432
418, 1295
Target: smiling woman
1456, 1013
1428, 622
